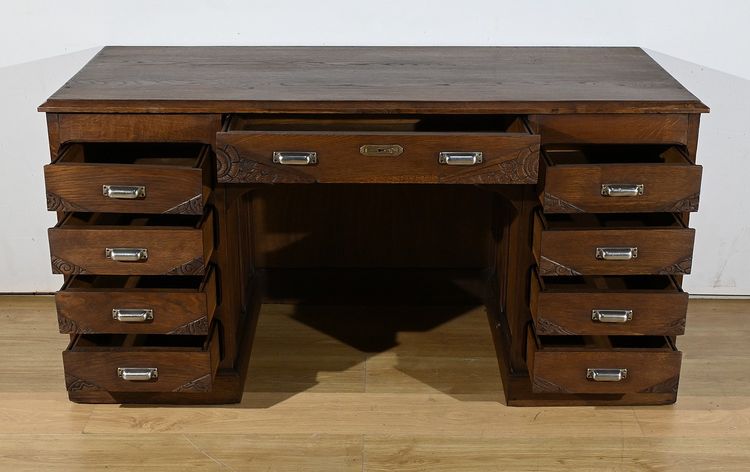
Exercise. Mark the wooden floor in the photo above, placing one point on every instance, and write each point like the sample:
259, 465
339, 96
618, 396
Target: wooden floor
405, 393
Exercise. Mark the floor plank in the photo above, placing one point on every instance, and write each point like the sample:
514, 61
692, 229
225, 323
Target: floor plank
403, 391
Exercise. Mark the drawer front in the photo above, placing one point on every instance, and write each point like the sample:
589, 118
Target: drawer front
573, 371
634, 312
583, 188
574, 251
158, 311
506, 158
170, 250
90, 187
175, 370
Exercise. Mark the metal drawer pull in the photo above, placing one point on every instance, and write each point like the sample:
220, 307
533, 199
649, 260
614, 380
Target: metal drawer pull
616, 253
460, 158
607, 375
126, 254
622, 190
612, 316
138, 374
124, 192
133, 315
295, 158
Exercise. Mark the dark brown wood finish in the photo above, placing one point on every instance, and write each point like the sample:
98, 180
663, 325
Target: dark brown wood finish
564, 305
652, 364
509, 157
635, 128
91, 363
569, 246
175, 178
303, 239
117, 128
78, 244
385, 79
573, 178
179, 305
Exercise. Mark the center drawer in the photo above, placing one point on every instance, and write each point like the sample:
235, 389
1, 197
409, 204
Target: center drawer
130, 178
612, 244
137, 304
618, 178
377, 149
602, 364
608, 305
142, 362
119, 244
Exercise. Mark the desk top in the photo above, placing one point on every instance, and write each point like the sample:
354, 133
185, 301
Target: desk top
373, 79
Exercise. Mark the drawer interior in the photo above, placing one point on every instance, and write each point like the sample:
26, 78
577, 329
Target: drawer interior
159, 154
79, 219
159, 283
375, 123
563, 221
614, 154
118, 342
604, 283
604, 343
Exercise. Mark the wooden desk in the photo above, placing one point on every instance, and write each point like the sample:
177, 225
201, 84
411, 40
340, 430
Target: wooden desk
552, 185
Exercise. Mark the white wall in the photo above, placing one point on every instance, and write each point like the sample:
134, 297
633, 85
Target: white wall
706, 45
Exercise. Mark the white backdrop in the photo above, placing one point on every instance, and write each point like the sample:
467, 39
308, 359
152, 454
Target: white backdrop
706, 45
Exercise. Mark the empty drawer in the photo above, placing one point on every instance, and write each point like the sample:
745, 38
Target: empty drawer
137, 304
608, 305
130, 178
472, 150
618, 178
601, 364
142, 362
612, 244
112, 244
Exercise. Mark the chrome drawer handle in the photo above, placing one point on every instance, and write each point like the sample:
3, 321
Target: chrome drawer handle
138, 374
616, 253
126, 254
124, 192
132, 315
295, 158
460, 158
607, 375
612, 316
622, 190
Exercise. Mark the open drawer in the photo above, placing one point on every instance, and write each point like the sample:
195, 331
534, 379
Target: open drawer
618, 178
142, 362
612, 244
490, 149
119, 244
608, 305
130, 178
602, 364
137, 304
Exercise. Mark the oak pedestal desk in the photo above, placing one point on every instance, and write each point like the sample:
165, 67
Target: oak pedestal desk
193, 184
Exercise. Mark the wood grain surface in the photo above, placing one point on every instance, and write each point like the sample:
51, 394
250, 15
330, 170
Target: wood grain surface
388, 79
430, 402
245, 157
185, 306
557, 309
172, 250
573, 187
